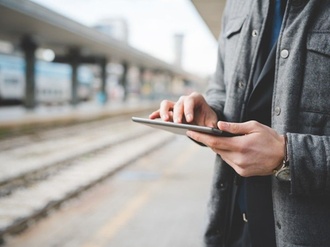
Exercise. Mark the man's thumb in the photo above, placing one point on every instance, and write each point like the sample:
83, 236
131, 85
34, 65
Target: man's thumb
234, 128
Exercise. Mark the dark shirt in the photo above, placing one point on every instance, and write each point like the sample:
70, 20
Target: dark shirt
254, 198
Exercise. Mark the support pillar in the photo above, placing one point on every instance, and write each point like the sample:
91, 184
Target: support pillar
29, 47
103, 64
74, 58
141, 81
74, 61
123, 80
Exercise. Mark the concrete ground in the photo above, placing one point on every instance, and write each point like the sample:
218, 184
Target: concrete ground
159, 200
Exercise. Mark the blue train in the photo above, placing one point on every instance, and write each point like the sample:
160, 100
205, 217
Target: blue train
53, 81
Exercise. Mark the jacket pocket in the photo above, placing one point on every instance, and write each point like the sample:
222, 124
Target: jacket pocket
232, 45
234, 26
319, 42
316, 85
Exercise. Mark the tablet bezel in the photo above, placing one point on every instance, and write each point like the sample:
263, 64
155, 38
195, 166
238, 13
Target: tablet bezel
180, 128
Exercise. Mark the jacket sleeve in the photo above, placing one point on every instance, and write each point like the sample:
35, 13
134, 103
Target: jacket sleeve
309, 157
222, 86
216, 91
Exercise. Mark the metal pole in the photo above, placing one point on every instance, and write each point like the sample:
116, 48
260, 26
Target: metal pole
141, 80
103, 65
29, 47
74, 61
124, 80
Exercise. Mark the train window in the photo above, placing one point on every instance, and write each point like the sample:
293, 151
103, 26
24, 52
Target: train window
11, 81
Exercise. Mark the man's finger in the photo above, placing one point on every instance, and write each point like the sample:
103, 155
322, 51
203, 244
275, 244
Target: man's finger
189, 109
178, 110
155, 114
238, 128
165, 107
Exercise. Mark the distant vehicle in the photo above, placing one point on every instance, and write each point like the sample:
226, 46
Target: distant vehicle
53, 81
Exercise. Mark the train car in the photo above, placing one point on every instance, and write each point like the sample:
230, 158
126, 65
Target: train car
53, 84
12, 81
86, 79
53, 81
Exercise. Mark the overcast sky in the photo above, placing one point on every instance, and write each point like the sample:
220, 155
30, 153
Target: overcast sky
152, 25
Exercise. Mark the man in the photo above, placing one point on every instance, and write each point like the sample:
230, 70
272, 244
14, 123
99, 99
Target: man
271, 88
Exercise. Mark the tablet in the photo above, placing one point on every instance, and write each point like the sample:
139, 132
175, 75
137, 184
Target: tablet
179, 128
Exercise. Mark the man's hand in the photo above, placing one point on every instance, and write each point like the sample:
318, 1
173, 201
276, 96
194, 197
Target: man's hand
257, 151
190, 109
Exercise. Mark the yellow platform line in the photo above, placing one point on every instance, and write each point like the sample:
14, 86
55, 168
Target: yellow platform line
131, 208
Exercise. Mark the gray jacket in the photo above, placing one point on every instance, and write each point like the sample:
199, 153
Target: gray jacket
300, 108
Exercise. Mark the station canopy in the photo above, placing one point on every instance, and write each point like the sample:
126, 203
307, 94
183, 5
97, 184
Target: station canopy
49, 29
211, 13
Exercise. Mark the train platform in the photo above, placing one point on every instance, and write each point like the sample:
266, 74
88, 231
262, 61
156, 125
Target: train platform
158, 199
18, 117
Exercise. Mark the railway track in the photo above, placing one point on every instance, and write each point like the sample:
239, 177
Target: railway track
40, 171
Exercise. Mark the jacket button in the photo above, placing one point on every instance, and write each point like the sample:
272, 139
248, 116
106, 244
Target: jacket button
241, 84
277, 111
284, 53
254, 33
278, 224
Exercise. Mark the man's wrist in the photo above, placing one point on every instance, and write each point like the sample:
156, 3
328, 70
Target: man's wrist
282, 172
